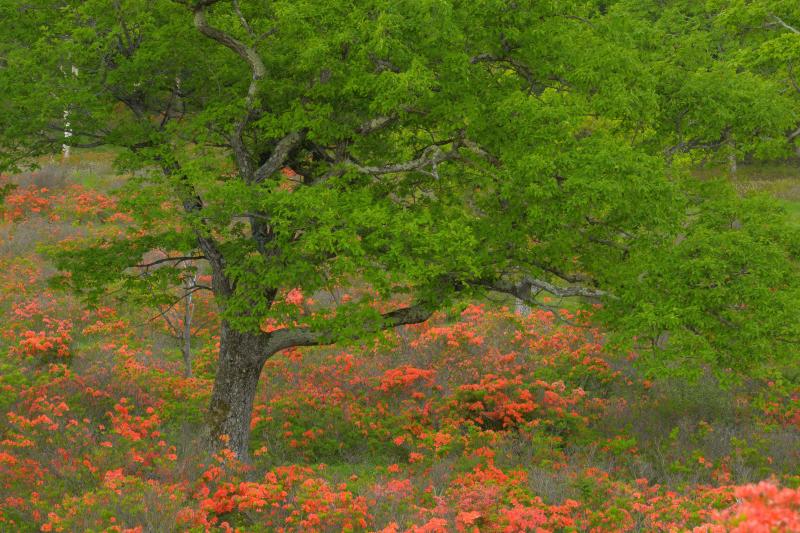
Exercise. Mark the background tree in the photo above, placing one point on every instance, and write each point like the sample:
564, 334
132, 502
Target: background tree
438, 150
179, 315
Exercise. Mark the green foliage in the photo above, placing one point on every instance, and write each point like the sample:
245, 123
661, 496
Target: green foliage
440, 146
325, 434
11, 378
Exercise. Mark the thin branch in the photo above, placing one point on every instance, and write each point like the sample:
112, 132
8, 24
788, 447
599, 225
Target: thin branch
172, 97
792, 79
176, 332
534, 87
580, 19
62, 129
781, 22
188, 293
243, 20
568, 277
73, 144
475, 147
178, 260
192, 203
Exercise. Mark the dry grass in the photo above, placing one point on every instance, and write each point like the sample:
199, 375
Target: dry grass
21, 238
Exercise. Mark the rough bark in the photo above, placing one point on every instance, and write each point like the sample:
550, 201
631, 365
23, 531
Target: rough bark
241, 358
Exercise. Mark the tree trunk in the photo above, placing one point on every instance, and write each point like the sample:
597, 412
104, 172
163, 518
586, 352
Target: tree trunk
65, 148
186, 333
521, 308
732, 163
186, 350
241, 358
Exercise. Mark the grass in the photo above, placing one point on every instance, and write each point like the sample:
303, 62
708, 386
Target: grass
780, 180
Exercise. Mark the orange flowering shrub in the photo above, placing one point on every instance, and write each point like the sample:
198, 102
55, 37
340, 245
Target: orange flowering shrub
54, 341
22, 202
501, 403
122, 504
289, 498
88, 202
780, 404
760, 508
404, 377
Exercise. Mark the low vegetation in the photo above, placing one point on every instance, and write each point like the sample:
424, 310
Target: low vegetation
480, 418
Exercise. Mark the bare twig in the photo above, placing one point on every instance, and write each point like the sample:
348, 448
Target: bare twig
176, 302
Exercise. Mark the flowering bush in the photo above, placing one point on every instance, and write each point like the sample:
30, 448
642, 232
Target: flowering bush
762, 507
51, 342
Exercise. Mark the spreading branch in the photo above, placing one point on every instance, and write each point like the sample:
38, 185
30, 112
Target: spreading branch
186, 294
284, 338
569, 277
528, 287
431, 156
192, 204
522, 70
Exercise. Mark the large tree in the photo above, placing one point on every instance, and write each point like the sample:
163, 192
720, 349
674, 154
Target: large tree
428, 150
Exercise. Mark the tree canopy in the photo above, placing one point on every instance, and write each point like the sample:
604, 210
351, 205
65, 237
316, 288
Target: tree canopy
433, 151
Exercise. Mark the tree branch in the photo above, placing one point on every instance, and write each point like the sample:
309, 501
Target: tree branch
279, 155
784, 24
792, 79
431, 156
475, 147
534, 87
192, 203
566, 276
178, 260
528, 287
375, 124
243, 20
188, 293
284, 338
257, 69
